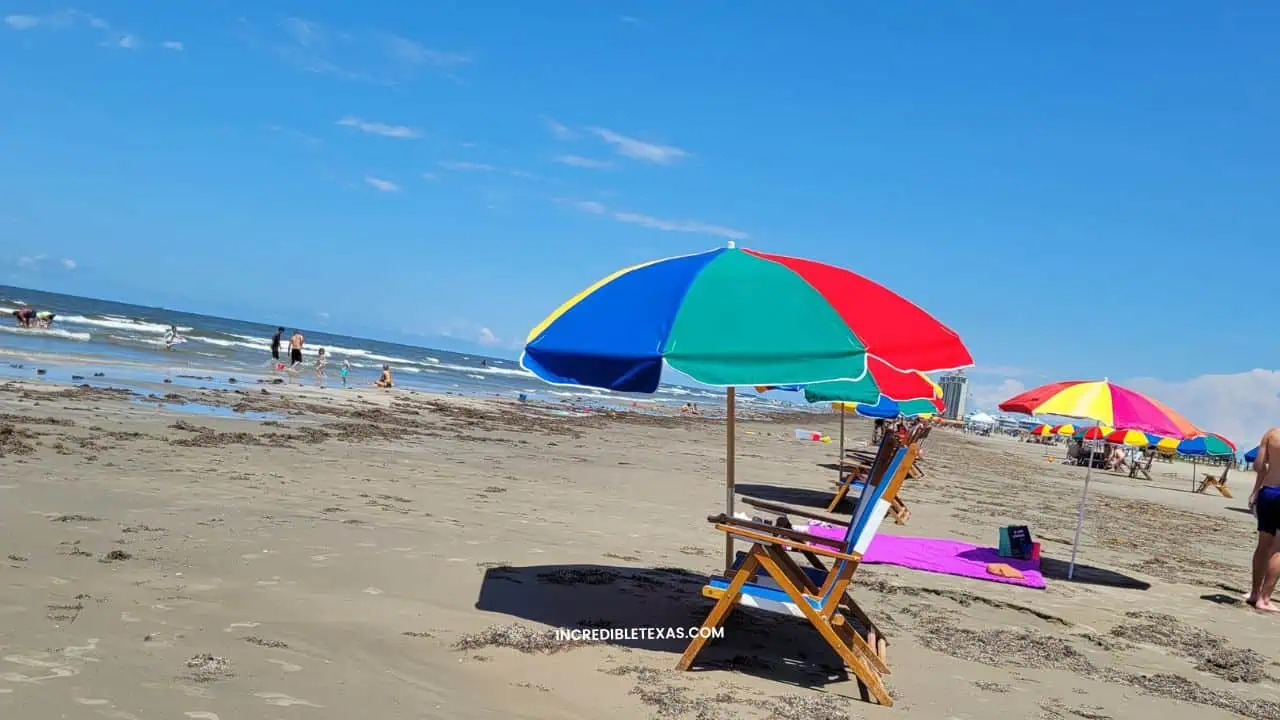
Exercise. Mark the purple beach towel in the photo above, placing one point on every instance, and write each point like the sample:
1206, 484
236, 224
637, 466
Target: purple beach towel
948, 557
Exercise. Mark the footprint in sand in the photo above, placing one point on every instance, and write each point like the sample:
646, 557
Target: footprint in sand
233, 626
266, 583
282, 700
371, 591
201, 715
55, 670
285, 666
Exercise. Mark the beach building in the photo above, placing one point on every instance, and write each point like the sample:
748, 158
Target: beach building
954, 392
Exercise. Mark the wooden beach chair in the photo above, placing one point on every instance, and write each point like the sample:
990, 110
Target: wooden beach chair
818, 594
852, 480
1215, 482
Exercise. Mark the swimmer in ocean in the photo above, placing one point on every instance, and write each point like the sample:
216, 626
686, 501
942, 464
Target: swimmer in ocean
44, 319
346, 370
24, 316
170, 337
321, 363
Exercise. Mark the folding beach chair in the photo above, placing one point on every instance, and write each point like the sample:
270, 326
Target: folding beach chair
818, 594
852, 483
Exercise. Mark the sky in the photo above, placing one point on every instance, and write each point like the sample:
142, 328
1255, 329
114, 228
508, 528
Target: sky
1081, 189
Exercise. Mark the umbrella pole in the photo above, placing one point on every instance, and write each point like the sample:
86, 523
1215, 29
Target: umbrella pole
840, 457
728, 477
1075, 544
1193, 474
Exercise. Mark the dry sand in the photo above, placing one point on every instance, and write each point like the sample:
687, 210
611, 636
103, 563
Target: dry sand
395, 555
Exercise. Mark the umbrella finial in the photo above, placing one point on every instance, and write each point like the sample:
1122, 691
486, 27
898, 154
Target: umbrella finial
732, 245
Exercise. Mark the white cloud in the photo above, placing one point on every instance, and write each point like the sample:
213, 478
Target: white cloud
377, 128
68, 19
986, 396
22, 22
1240, 406
68, 263
473, 166
486, 337
323, 315
430, 176
31, 261
639, 149
381, 185
560, 130
583, 162
649, 221
173, 45
361, 55
37, 262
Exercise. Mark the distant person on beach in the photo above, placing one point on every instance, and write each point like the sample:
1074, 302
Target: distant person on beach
171, 337
1264, 501
24, 316
295, 348
44, 319
384, 380
275, 345
321, 363
345, 371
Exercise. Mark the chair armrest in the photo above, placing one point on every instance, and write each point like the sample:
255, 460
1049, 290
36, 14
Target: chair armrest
747, 534
783, 535
799, 512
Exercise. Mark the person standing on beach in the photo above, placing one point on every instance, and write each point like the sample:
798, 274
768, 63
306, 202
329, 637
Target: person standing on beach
275, 346
1265, 504
295, 349
321, 363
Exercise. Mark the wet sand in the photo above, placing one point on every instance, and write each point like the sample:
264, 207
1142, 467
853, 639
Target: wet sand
399, 555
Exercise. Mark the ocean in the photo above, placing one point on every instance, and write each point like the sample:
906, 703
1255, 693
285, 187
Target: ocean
117, 344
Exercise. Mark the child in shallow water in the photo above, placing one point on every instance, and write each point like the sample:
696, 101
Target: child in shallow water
346, 370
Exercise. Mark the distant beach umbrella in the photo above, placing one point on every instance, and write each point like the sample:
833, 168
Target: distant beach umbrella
1132, 438
1209, 444
736, 317
1096, 432
1251, 455
1067, 429
1105, 403
1042, 430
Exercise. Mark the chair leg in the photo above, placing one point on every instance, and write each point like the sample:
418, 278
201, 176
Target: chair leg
840, 493
864, 646
722, 608
869, 678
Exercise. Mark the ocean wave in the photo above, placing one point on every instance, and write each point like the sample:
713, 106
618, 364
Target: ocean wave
433, 360
51, 332
263, 344
114, 322
488, 370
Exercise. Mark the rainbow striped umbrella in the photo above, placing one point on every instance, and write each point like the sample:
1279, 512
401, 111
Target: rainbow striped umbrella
1251, 455
1105, 403
1042, 430
888, 409
1067, 429
1096, 432
730, 317
1210, 444
1133, 438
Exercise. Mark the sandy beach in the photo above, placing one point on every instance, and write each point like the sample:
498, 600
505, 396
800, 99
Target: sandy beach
404, 555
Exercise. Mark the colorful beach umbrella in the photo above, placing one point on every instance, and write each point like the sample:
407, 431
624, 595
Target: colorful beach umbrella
1132, 438
1105, 403
1096, 432
1067, 429
1251, 455
1042, 430
1165, 443
1209, 444
735, 317
881, 381
888, 409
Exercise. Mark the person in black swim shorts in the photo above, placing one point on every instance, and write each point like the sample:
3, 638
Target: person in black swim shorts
295, 348
275, 344
1265, 504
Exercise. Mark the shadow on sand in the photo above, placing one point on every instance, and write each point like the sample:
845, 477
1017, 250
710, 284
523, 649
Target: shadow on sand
1054, 569
800, 497
600, 596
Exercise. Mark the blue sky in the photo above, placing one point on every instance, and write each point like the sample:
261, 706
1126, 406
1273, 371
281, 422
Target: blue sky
413, 169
